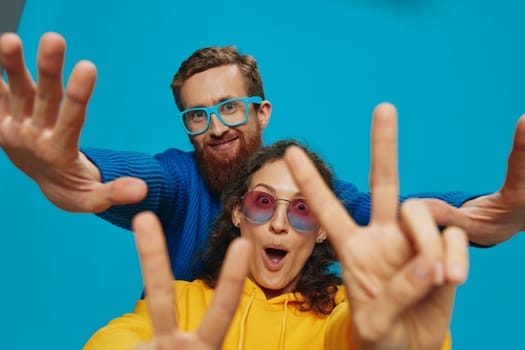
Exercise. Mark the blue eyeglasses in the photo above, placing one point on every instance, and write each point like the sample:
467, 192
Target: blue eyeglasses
259, 207
231, 112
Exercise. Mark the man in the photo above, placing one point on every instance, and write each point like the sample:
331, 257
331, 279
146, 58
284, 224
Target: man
40, 130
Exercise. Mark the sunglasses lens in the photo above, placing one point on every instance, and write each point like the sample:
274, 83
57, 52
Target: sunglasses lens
300, 216
258, 206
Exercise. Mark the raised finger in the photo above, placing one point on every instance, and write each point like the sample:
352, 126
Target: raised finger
4, 100
72, 114
156, 273
22, 87
227, 294
49, 91
421, 230
456, 255
384, 181
324, 204
514, 184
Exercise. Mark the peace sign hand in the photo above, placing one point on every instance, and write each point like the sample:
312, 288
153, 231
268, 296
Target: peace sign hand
400, 273
160, 299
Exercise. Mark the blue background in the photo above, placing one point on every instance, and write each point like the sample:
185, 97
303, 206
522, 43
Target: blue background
453, 68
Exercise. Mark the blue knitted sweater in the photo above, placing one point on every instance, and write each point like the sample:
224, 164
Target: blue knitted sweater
185, 206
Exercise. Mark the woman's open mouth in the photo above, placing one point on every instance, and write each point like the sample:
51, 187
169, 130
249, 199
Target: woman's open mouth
274, 258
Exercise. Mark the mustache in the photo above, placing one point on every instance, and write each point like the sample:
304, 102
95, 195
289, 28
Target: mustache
225, 137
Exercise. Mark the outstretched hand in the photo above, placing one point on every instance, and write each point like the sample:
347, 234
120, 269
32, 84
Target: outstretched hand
496, 217
400, 273
160, 295
40, 128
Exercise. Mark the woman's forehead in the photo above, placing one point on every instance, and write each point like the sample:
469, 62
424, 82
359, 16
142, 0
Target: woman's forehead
275, 176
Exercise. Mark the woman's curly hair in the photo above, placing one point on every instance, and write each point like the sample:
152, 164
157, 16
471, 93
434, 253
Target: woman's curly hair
316, 283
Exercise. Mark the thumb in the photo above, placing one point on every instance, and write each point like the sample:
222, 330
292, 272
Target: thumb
125, 190
445, 214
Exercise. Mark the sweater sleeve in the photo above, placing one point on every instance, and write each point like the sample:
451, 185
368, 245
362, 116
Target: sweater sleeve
358, 204
125, 332
115, 164
130, 330
338, 331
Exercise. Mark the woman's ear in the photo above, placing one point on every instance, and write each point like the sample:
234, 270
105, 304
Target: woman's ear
236, 214
321, 236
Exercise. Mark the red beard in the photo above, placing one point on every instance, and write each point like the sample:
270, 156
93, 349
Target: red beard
219, 172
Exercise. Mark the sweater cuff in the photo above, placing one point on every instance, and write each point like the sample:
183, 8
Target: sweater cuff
115, 164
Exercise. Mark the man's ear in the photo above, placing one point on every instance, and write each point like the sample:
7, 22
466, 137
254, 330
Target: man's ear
264, 113
236, 214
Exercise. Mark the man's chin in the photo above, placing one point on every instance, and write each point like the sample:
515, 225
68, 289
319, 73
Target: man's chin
219, 169
222, 156
220, 166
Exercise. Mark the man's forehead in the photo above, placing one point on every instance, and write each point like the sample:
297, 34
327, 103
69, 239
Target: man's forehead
212, 86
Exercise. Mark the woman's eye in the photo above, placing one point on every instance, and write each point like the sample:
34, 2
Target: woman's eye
302, 207
264, 200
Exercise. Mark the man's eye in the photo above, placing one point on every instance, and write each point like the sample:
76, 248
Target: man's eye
198, 115
229, 107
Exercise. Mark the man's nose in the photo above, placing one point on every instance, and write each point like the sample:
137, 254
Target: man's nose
217, 128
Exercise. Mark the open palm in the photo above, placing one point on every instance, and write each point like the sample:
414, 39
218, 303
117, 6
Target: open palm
40, 128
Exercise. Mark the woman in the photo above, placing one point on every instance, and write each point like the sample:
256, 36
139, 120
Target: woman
290, 300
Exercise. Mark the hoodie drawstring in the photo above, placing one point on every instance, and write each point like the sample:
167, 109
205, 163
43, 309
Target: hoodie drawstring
243, 320
283, 325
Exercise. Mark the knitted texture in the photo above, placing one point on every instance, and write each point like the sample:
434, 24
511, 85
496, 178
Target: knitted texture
185, 206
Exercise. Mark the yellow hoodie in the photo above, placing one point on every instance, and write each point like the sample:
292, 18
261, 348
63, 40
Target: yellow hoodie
258, 324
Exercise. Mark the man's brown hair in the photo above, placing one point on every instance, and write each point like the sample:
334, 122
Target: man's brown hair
216, 56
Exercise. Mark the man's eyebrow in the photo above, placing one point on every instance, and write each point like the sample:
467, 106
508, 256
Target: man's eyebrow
215, 102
